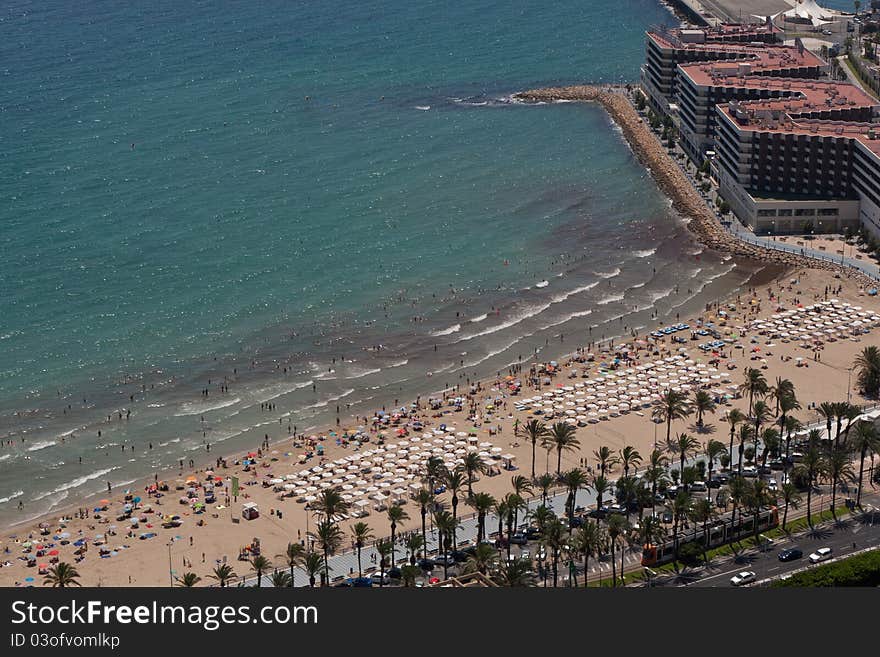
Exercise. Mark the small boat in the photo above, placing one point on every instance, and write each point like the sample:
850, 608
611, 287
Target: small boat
542, 284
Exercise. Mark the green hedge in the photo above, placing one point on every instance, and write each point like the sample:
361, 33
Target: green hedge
860, 570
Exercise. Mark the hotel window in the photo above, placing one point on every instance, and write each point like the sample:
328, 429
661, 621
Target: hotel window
785, 213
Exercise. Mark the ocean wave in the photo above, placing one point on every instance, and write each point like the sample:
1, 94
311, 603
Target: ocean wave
516, 319
43, 444
567, 318
16, 494
3, 457
423, 108
644, 253
637, 286
610, 274
399, 363
455, 328
75, 483
360, 375
197, 409
491, 354
274, 392
169, 442
479, 318
611, 298
661, 294
325, 402
705, 283
565, 295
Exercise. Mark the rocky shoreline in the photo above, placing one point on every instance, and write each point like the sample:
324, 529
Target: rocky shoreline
674, 183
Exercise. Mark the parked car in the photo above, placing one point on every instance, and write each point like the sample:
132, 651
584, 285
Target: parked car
533, 533
790, 554
426, 564
698, 486
744, 577
380, 578
447, 560
822, 554
518, 539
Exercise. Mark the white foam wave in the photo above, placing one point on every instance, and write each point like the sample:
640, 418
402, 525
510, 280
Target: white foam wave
479, 318
611, 298
565, 295
75, 483
9, 498
360, 375
43, 444
197, 409
399, 363
661, 294
325, 402
455, 328
513, 321
567, 318
610, 274
645, 253
3, 457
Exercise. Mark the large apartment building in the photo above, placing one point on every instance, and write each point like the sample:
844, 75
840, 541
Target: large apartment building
781, 165
667, 48
790, 147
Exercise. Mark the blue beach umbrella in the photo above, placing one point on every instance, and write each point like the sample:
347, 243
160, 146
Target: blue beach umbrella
28, 579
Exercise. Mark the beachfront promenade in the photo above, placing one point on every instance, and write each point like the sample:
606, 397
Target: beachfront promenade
674, 180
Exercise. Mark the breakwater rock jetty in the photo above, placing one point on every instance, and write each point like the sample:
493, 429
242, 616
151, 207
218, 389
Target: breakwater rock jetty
672, 180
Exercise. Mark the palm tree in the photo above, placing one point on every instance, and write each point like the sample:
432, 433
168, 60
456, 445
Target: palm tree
587, 541
396, 516
385, 548
473, 465
188, 580
573, 480
541, 516
535, 432
435, 471
606, 458
329, 539
745, 434
313, 564
413, 545
672, 405
840, 470
545, 483
811, 467
828, 410
481, 560
601, 486
554, 540
629, 458
361, 533
772, 443
792, 498
867, 441
761, 415
281, 579
759, 496
738, 490
792, 425
408, 575
260, 565
702, 512
330, 504
499, 509
513, 504
562, 437
868, 365
780, 390
454, 480
617, 528
481, 503
785, 405
223, 574
445, 524
521, 486
685, 446
293, 555
754, 385
714, 450
655, 473
517, 573
850, 413
651, 531
62, 575
425, 499
734, 418
680, 509
702, 403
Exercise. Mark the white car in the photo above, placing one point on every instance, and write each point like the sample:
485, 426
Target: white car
820, 555
743, 577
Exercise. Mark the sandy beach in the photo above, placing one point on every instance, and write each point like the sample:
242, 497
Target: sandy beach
820, 371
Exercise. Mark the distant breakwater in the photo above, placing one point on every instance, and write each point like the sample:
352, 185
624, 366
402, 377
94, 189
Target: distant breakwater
672, 180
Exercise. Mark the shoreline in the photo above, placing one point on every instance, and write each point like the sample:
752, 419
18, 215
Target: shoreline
671, 180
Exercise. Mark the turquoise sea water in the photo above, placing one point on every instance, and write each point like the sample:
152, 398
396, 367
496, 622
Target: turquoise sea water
323, 204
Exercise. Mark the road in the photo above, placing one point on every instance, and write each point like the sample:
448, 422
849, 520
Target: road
861, 530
